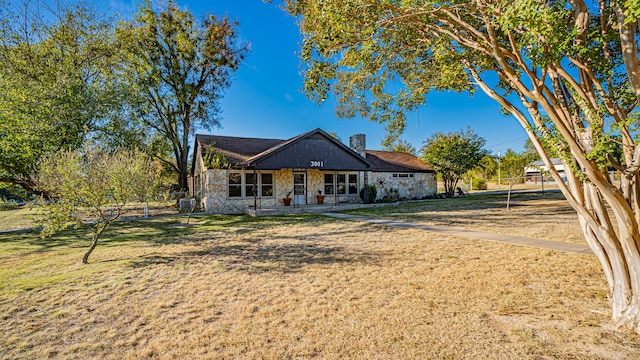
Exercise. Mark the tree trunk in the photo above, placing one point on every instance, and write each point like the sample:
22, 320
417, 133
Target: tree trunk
509, 194
85, 258
617, 251
618, 255
97, 232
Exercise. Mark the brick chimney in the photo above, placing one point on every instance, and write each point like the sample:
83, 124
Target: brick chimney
358, 143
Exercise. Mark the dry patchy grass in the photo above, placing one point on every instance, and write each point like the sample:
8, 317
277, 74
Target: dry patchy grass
298, 287
536, 215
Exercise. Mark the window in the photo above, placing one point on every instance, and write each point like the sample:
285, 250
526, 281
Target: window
402, 175
342, 184
266, 184
235, 184
249, 180
345, 184
243, 184
353, 184
328, 184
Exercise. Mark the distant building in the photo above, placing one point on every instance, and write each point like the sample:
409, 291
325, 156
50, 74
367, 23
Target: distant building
231, 174
534, 173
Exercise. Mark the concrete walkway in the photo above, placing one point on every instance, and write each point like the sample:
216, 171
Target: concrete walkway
510, 239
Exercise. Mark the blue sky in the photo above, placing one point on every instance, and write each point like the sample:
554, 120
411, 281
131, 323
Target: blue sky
265, 99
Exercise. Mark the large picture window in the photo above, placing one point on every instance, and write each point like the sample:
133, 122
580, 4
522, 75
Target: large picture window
242, 184
345, 184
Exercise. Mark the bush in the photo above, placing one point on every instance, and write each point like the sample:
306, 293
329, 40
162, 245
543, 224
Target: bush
8, 205
479, 184
373, 192
392, 196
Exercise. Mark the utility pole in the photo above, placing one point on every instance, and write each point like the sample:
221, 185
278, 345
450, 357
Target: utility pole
498, 169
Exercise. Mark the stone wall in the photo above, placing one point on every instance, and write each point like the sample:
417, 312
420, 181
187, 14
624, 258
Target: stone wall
214, 197
420, 186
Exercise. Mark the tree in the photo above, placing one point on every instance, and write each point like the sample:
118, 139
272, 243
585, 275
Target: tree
57, 83
512, 166
487, 167
403, 146
567, 71
94, 187
529, 148
180, 68
453, 155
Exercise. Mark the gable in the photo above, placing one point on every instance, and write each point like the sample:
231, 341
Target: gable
316, 151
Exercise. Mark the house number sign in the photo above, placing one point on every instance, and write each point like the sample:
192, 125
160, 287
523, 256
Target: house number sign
316, 163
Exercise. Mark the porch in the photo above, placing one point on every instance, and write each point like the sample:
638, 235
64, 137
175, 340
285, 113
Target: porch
304, 209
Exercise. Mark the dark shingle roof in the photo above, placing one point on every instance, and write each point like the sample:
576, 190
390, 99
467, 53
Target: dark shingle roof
239, 151
396, 162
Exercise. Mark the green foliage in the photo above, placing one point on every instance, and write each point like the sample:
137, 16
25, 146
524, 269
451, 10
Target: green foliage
403, 146
631, 10
530, 149
335, 135
214, 159
93, 187
453, 155
372, 193
512, 165
180, 67
57, 84
487, 167
8, 205
478, 184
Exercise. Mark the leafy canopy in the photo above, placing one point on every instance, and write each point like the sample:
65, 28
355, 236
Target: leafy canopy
180, 67
57, 83
453, 155
93, 187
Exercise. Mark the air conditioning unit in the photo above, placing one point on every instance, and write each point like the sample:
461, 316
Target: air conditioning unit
187, 204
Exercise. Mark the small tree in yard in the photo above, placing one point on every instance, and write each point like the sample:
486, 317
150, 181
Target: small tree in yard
513, 165
94, 187
453, 155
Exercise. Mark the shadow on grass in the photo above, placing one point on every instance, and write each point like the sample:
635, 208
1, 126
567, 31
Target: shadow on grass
32, 240
289, 253
285, 258
474, 202
227, 240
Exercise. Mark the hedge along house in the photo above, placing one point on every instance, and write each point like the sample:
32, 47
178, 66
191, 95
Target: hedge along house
233, 174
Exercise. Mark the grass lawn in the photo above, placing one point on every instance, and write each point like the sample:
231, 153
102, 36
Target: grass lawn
298, 287
17, 219
537, 215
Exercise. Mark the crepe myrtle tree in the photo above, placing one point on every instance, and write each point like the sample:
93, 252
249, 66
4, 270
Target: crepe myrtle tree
513, 165
568, 71
93, 187
453, 155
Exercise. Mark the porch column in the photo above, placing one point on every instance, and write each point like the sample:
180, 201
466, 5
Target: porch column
255, 188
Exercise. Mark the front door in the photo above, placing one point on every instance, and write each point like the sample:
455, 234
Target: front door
300, 188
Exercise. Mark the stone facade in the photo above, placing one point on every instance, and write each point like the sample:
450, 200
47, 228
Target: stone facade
314, 157
413, 186
213, 197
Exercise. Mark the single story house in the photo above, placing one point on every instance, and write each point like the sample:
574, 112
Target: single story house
231, 174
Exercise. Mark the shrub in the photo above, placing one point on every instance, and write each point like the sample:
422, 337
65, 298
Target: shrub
479, 184
373, 192
393, 195
8, 205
